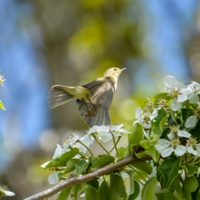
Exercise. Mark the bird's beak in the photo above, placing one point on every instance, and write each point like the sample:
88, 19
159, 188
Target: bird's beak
123, 69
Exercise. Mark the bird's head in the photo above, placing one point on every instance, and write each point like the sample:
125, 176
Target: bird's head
113, 72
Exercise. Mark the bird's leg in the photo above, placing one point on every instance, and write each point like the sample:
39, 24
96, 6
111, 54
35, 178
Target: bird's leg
86, 109
94, 108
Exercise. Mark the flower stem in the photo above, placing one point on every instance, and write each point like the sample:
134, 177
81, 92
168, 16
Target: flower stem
116, 144
138, 173
101, 145
86, 148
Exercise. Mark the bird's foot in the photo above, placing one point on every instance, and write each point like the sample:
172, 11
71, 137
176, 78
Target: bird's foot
88, 113
94, 111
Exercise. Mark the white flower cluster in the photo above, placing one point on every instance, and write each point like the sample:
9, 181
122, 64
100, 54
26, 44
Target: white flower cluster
103, 133
181, 97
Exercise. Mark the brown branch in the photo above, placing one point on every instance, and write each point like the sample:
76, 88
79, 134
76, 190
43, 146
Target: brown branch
88, 177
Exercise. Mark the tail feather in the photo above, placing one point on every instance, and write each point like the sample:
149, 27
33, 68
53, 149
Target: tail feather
102, 116
58, 96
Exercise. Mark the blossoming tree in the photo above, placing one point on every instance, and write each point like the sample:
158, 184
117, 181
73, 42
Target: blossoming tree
161, 160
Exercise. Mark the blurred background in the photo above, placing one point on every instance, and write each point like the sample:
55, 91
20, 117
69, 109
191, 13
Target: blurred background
47, 42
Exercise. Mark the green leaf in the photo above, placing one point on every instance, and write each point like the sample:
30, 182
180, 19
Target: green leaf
80, 166
91, 193
152, 141
62, 160
131, 178
160, 96
154, 154
78, 189
134, 138
68, 155
71, 165
143, 166
117, 189
190, 185
136, 192
122, 152
169, 170
176, 189
196, 194
158, 122
64, 194
103, 191
190, 169
94, 184
2, 106
101, 162
149, 188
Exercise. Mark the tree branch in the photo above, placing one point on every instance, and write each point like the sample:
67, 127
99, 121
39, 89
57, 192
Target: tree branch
88, 177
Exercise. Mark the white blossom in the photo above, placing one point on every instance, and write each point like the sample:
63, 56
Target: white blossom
191, 93
192, 147
165, 147
4, 191
192, 120
175, 131
144, 119
173, 87
104, 132
2, 79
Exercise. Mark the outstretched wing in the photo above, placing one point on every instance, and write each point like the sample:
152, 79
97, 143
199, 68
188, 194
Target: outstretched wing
101, 92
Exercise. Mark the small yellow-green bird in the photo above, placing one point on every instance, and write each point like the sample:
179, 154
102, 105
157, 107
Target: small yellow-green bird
93, 99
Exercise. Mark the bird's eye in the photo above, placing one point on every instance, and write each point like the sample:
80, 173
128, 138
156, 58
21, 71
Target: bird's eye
115, 69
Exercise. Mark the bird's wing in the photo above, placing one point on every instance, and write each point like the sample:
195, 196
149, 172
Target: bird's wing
101, 94
58, 96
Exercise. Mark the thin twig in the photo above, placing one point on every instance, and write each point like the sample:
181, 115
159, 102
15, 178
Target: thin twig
85, 178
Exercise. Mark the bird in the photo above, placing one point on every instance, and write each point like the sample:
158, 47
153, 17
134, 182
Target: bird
93, 99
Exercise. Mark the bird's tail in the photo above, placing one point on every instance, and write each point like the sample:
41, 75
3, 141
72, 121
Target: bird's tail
58, 96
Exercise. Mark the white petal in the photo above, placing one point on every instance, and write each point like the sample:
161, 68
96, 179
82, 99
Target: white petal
53, 178
138, 112
83, 195
124, 175
45, 164
87, 140
93, 129
191, 122
9, 193
170, 81
182, 98
58, 152
198, 103
162, 145
193, 86
185, 91
198, 149
171, 136
116, 127
167, 152
180, 150
153, 115
175, 106
124, 131
105, 138
104, 129
183, 134
147, 126
191, 150
194, 98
